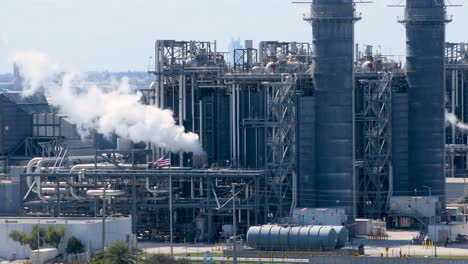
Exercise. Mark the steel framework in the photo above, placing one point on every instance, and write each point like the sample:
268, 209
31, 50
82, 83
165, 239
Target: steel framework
374, 184
280, 144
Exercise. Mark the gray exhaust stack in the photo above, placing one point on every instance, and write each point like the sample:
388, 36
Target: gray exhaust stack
333, 46
425, 32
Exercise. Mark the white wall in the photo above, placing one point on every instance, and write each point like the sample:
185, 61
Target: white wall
89, 232
453, 230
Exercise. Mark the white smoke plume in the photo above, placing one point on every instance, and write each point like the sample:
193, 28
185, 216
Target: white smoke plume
452, 119
117, 110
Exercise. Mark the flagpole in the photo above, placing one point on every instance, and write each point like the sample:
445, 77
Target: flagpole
170, 202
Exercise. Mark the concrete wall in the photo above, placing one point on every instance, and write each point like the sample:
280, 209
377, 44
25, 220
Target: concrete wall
42, 255
87, 230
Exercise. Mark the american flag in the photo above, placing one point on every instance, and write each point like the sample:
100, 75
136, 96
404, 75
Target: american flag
164, 161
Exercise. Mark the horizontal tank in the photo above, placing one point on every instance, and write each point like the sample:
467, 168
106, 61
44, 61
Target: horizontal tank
273, 237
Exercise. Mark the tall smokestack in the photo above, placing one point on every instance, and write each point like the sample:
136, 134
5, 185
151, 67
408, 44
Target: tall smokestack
425, 33
333, 46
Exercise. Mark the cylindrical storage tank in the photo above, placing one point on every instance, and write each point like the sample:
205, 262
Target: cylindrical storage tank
327, 237
307, 238
294, 237
314, 241
284, 236
342, 236
264, 239
303, 238
253, 236
274, 239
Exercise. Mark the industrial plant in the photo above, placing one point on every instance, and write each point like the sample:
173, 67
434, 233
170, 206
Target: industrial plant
305, 145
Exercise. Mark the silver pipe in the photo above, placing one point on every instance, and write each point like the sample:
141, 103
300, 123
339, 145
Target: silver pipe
453, 103
181, 111
238, 123
148, 187
201, 122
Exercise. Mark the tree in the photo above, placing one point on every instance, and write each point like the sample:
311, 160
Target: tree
33, 237
119, 253
20, 237
75, 246
54, 235
99, 257
51, 236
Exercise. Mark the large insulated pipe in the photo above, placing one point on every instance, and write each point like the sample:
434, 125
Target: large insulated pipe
274, 237
425, 33
333, 48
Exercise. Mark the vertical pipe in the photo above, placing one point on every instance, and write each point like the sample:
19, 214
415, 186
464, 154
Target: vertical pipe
233, 127
238, 123
171, 213
453, 100
425, 62
134, 207
201, 121
181, 112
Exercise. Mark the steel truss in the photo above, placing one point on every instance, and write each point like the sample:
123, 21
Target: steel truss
373, 184
280, 144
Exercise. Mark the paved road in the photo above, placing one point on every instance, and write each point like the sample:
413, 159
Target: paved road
399, 240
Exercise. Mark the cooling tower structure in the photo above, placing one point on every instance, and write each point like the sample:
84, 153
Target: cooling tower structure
425, 32
333, 43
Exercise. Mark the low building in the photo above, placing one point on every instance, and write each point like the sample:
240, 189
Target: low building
88, 230
454, 232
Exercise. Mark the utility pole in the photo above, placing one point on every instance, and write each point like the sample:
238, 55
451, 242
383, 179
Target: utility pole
103, 238
170, 204
234, 225
38, 238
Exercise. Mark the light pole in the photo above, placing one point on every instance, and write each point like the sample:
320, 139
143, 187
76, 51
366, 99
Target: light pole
103, 235
336, 210
234, 225
170, 204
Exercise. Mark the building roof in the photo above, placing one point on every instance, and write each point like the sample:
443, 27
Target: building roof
58, 220
36, 103
457, 180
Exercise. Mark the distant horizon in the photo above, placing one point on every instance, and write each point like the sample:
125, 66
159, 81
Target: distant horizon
119, 35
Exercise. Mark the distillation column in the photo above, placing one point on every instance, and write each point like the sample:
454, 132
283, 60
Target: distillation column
425, 33
333, 48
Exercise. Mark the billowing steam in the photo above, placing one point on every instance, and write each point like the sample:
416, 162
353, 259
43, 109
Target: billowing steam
108, 111
453, 120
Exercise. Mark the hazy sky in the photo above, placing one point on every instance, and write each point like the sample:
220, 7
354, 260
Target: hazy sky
118, 35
